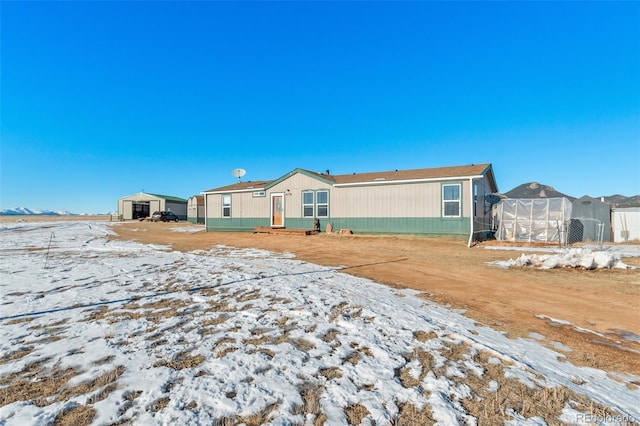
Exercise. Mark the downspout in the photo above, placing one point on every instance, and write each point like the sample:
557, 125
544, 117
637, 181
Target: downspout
470, 213
206, 202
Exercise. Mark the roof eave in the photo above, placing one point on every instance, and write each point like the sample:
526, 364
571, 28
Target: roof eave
402, 181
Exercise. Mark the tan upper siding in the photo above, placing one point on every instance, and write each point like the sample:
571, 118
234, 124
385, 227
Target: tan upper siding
196, 200
402, 200
213, 205
296, 184
245, 205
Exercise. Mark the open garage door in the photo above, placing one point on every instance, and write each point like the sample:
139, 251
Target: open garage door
140, 210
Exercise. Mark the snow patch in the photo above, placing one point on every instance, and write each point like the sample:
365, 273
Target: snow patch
572, 258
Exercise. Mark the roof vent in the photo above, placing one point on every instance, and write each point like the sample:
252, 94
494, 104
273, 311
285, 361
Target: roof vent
380, 178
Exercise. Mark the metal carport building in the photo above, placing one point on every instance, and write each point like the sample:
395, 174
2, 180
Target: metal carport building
141, 205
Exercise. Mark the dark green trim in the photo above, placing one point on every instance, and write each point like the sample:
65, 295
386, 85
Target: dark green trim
231, 224
402, 225
373, 225
169, 198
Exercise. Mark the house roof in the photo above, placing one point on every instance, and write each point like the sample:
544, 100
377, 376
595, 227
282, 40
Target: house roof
373, 177
199, 199
242, 186
169, 197
146, 196
415, 174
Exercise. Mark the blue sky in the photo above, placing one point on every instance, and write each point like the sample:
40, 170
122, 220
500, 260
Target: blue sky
101, 100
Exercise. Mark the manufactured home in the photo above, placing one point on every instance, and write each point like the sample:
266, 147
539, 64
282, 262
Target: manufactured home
434, 201
142, 205
195, 209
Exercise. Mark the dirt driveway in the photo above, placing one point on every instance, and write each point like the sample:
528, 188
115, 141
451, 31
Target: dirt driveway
592, 317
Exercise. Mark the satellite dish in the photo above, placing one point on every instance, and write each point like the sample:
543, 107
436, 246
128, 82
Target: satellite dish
492, 199
238, 173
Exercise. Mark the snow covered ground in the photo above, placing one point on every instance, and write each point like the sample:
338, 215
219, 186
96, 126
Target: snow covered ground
588, 257
126, 332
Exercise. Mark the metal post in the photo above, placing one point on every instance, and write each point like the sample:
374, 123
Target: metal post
46, 261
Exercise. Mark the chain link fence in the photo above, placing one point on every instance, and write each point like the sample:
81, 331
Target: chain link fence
547, 221
584, 229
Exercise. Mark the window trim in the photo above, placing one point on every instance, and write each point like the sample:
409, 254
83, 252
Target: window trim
312, 204
457, 201
226, 206
318, 204
315, 205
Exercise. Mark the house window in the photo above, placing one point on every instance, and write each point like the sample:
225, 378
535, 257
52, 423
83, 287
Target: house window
322, 203
307, 203
315, 204
451, 200
226, 206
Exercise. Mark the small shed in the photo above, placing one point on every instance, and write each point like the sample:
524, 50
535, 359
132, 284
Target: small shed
590, 220
626, 224
195, 209
142, 205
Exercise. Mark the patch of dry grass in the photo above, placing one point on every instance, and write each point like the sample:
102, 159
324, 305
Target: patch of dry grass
129, 397
336, 311
423, 336
34, 382
356, 413
78, 415
267, 352
514, 396
256, 340
330, 335
259, 418
100, 381
353, 358
159, 404
181, 361
302, 344
17, 354
250, 295
330, 372
225, 351
426, 361
409, 415
310, 395
95, 314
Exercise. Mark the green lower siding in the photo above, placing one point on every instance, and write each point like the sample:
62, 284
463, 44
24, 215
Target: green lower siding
371, 225
243, 224
195, 219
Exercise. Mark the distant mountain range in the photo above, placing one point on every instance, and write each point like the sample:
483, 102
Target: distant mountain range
526, 190
26, 211
538, 190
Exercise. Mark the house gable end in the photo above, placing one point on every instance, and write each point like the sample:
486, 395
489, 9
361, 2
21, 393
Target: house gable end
322, 178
